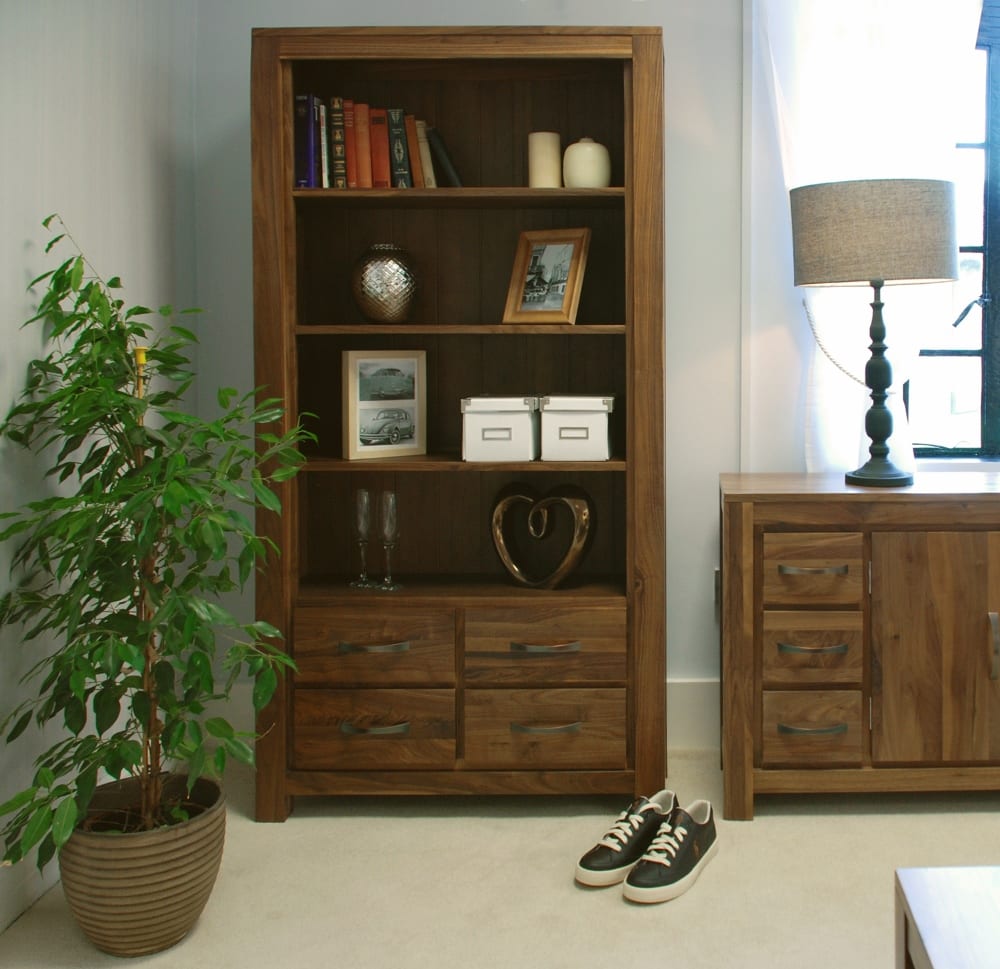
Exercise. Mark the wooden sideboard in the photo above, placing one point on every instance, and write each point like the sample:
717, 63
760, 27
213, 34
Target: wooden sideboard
860, 635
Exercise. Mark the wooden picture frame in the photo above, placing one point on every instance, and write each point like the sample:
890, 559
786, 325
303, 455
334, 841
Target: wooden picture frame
547, 276
385, 403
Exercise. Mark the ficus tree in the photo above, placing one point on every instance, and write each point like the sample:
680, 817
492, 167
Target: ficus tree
119, 574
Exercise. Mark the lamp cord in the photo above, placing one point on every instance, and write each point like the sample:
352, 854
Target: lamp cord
829, 356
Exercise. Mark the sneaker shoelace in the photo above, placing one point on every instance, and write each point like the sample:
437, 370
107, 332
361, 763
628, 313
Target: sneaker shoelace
627, 824
667, 842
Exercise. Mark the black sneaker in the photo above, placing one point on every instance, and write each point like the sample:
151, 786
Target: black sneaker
675, 857
609, 861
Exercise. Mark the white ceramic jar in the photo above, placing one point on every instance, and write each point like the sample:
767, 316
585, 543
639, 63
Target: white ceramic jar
586, 164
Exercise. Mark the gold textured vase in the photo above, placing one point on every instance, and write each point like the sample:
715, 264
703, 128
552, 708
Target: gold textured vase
384, 284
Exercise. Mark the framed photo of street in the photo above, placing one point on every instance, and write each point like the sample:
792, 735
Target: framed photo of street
547, 276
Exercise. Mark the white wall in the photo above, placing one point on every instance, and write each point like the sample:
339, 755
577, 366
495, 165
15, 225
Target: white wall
95, 99
131, 118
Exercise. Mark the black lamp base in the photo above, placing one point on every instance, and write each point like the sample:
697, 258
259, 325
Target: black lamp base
879, 473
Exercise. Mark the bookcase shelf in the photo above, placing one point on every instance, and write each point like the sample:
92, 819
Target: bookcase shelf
444, 655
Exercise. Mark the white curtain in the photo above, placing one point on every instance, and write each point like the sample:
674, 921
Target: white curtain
859, 89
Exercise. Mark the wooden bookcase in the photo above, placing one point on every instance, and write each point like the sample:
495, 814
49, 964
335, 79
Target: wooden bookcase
426, 690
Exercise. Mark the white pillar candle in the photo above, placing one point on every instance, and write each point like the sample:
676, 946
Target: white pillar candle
544, 159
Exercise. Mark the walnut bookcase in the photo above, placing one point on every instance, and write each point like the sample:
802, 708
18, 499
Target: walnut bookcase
464, 682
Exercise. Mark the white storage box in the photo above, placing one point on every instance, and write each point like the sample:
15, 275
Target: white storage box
576, 428
499, 428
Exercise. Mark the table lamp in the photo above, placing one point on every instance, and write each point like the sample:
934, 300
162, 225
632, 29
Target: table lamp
872, 232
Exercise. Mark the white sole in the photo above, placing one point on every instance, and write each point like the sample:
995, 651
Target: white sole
664, 893
602, 879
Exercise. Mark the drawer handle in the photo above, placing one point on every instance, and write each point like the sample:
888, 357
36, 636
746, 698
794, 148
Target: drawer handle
401, 647
552, 649
995, 665
535, 729
392, 730
813, 569
835, 728
812, 650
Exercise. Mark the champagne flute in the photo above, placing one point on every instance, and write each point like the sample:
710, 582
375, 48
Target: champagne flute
362, 532
389, 524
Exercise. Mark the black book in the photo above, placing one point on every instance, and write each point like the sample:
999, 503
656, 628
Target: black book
443, 165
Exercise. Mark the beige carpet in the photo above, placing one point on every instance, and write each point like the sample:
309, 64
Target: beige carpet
487, 883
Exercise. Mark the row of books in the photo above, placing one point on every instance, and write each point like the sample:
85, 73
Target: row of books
342, 143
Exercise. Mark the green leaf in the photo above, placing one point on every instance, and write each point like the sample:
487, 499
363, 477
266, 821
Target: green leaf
220, 728
64, 821
264, 687
18, 801
18, 729
107, 708
37, 827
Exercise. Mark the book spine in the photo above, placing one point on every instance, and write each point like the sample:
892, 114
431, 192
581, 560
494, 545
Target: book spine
363, 145
442, 160
399, 153
303, 126
426, 162
324, 146
350, 145
378, 125
413, 147
338, 156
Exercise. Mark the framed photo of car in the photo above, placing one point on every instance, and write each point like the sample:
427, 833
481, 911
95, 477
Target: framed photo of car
547, 276
385, 403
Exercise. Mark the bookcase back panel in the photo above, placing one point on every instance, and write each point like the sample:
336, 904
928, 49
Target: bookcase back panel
444, 524
462, 258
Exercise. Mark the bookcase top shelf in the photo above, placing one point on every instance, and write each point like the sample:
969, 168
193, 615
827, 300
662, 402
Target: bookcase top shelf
460, 329
478, 197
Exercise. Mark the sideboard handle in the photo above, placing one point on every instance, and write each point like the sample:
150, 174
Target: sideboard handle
536, 729
813, 569
812, 650
392, 730
995, 664
401, 647
835, 728
552, 649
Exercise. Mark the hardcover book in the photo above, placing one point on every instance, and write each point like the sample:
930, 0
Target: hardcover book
413, 147
362, 144
338, 155
305, 142
378, 127
443, 164
350, 144
399, 152
426, 162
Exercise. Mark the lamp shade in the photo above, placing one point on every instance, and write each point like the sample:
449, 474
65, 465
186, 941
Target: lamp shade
889, 229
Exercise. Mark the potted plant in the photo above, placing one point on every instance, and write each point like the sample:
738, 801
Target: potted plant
116, 579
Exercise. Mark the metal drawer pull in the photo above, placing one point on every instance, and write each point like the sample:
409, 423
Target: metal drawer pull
393, 730
835, 728
995, 665
813, 570
813, 650
572, 646
401, 647
560, 728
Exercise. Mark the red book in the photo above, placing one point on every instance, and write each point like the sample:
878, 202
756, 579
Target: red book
350, 144
362, 144
378, 127
413, 146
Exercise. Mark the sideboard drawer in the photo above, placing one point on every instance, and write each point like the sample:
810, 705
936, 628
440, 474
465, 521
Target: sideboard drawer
812, 647
545, 646
374, 646
556, 729
812, 728
373, 729
813, 568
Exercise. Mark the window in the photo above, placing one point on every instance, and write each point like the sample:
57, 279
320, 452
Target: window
953, 395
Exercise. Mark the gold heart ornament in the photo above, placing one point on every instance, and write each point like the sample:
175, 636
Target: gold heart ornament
519, 511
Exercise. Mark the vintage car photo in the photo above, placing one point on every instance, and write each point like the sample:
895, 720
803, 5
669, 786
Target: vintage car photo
389, 425
386, 383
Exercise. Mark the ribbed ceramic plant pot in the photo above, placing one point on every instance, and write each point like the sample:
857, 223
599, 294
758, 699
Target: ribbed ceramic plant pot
137, 893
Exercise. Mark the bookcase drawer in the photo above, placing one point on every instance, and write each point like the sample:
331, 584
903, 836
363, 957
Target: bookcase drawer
812, 728
374, 646
812, 568
812, 647
373, 729
545, 646
545, 728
